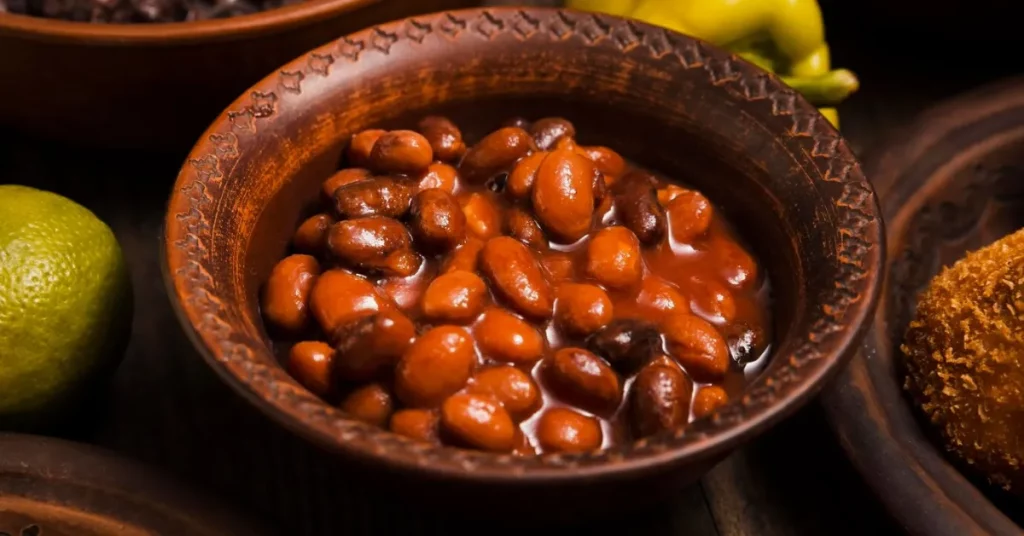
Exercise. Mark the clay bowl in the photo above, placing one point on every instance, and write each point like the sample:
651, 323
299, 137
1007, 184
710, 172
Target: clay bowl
156, 86
782, 174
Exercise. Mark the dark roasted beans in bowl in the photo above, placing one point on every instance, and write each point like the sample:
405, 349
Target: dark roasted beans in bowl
518, 293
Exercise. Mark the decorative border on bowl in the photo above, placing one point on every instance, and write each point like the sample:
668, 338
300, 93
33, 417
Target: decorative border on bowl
859, 254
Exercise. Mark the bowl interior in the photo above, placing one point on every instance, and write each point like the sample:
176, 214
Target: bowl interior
678, 106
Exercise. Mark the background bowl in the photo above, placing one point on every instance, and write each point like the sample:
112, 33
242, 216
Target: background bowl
757, 149
157, 85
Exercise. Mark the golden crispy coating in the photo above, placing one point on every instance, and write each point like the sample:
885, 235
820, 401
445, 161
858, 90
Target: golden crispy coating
964, 355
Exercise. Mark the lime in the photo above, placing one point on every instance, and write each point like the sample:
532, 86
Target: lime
65, 302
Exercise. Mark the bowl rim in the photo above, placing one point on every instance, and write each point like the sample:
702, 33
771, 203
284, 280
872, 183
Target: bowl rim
838, 324
175, 33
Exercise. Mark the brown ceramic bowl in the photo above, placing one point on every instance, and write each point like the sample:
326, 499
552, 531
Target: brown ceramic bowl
156, 86
780, 171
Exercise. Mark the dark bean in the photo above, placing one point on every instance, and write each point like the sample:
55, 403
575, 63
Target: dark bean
636, 201
379, 196
546, 132
401, 151
495, 153
445, 138
626, 343
437, 221
660, 399
368, 242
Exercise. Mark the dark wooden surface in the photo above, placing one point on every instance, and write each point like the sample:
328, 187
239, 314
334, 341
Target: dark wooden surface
167, 409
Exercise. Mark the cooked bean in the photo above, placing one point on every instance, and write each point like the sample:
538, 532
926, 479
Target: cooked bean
437, 365
403, 263
495, 153
515, 275
401, 151
740, 269
656, 298
371, 404
689, 216
746, 342
483, 217
503, 336
660, 400
558, 266
369, 344
637, 205
614, 259
709, 399
670, 192
565, 430
368, 242
311, 236
584, 380
513, 388
455, 297
286, 296
445, 138
361, 146
712, 300
582, 309
342, 178
563, 195
379, 196
549, 130
404, 292
697, 345
626, 343
478, 421
519, 185
440, 176
339, 296
437, 222
608, 162
521, 226
418, 424
465, 256
310, 362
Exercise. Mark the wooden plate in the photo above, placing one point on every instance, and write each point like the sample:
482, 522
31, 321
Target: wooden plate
951, 182
50, 487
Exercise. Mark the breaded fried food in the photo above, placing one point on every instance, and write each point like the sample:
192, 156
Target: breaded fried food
964, 355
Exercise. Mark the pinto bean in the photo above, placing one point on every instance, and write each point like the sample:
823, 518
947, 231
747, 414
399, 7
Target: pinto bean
513, 388
361, 146
379, 196
436, 366
697, 345
656, 298
464, 257
660, 399
608, 162
581, 309
566, 430
455, 297
483, 216
478, 421
439, 175
689, 216
339, 296
371, 404
310, 363
519, 185
418, 424
709, 399
738, 268
401, 151
286, 296
495, 153
368, 242
515, 275
404, 292
584, 380
521, 226
437, 222
614, 258
626, 343
311, 236
549, 130
637, 205
503, 336
558, 266
342, 178
563, 195
712, 300
370, 344
445, 138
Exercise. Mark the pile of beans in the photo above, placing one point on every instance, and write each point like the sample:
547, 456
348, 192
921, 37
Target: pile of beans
524, 294
130, 11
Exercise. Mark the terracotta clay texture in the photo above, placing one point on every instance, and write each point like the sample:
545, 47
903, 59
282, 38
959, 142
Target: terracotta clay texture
156, 86
757, 149
949, 183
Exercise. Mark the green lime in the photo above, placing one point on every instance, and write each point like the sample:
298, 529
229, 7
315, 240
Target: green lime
65, 302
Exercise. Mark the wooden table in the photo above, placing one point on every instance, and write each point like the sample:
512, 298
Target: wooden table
168, 409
